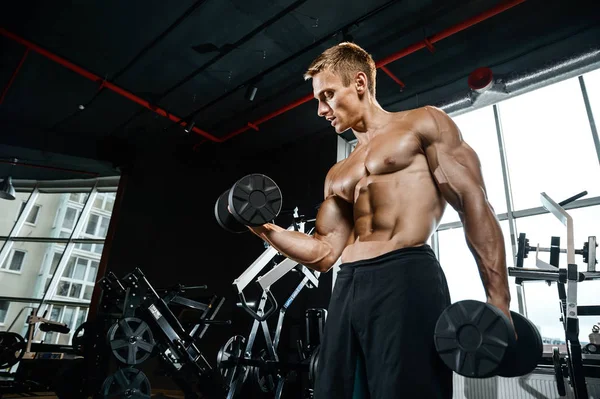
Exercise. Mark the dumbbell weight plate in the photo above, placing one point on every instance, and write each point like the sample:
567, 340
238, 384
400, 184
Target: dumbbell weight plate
524, 357
225, 218
255, 200
472, 338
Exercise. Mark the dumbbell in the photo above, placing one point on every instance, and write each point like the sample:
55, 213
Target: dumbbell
476, 340
253, 200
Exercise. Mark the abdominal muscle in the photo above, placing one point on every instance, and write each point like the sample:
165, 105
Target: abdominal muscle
393, 211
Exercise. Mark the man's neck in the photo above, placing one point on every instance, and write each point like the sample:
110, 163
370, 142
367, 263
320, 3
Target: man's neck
374, 118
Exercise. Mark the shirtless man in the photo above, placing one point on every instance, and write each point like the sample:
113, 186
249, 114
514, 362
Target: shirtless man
381, 206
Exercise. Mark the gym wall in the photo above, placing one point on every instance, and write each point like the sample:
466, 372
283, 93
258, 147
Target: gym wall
167, 228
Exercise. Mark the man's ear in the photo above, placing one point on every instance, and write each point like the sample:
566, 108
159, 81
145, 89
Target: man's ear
361, 82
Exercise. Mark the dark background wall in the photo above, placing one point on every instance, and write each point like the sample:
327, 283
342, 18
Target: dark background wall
166, 226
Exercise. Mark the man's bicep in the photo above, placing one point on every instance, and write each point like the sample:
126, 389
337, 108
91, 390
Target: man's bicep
334, 224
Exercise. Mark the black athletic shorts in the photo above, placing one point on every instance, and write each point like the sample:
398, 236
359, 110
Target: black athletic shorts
378, 337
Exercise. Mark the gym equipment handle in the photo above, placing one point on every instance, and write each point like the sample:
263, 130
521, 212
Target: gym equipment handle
573, 198
217, 322
270, 298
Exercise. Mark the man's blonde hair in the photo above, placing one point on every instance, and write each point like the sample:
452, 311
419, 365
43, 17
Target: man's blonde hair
345, 60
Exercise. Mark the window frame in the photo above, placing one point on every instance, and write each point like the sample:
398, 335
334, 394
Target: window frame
37, 215
9, 260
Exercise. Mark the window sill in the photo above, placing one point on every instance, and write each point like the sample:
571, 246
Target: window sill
11, 271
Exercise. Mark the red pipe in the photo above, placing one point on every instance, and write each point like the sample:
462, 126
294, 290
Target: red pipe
14, 75
394, 77
449, 32
425, 43
19, 163
77, 69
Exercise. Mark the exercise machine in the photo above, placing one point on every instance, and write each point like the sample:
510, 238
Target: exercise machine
237, 359
567, 280
145, 325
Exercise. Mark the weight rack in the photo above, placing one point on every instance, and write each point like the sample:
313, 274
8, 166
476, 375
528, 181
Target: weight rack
567, 280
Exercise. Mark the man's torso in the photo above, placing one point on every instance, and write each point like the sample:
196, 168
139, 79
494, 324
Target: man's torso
395, 199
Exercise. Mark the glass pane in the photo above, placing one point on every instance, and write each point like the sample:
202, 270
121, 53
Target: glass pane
78, 198
69, 218
81, 317
55, 259
92, 272
87, 294
3, 311
92, 225
461, 270
34, 270
69, 268
110, 202
63, 288
592, 86
16, 263
478, 129
103, 227
80, 269
55, 313
68, 319
33, 214
98, 203
10, 212
85, 247
543, 301
50, 216
75, 291
549, 154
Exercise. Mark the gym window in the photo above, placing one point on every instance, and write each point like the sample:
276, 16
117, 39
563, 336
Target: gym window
4, 305
14, 262
58, 268
33, 214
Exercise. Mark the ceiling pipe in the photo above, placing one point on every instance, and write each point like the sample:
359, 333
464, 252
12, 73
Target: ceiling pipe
425, 43
14, 75
394, 77
300, 52
103, 83
491, 90
16, 162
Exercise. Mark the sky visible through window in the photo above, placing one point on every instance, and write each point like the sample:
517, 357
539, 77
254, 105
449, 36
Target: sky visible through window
549, 147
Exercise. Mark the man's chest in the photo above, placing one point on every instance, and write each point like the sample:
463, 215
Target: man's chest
382, 156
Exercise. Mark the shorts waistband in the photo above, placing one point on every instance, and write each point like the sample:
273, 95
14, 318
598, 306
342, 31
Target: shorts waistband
395, 254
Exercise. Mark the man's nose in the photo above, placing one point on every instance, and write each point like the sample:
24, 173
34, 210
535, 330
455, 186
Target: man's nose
323, 109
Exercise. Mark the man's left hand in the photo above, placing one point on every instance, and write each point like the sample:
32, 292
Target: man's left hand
504, 306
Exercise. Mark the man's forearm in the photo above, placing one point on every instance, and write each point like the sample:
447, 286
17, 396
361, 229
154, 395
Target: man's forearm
486, 242
297, 246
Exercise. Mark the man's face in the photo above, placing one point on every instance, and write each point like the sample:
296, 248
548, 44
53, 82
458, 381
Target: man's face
338, 104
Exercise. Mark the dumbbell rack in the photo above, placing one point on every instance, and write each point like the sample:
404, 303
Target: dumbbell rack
236, 359
569, 276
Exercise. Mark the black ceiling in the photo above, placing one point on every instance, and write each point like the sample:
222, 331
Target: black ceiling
195, 60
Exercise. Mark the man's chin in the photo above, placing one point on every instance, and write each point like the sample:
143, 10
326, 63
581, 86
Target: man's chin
339, 129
